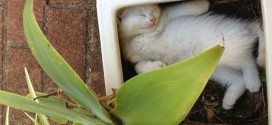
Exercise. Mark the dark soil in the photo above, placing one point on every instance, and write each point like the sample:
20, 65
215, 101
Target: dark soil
251, 108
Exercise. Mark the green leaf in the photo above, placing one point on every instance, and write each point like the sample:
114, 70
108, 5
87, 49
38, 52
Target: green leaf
32, 119
7, 116
77, 124
43, 119
58, 69
58, 120
24, 103
54, 101
165, 96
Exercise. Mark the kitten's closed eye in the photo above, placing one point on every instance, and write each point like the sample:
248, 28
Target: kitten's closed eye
143, 15
138, 20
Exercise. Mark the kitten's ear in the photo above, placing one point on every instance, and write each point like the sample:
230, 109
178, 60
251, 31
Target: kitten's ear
118, 20
120, 14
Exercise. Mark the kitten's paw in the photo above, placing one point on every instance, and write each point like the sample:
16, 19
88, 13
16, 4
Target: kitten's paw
227, 106
261, 61
253, 86
159, 64
147, 66
228, 103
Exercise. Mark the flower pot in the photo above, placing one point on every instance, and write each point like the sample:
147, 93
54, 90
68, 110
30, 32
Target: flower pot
107, 9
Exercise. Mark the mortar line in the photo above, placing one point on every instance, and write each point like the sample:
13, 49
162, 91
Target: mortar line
80, 6
93, 36
14, 44
87, 46
4, 51
45, 31
91, 40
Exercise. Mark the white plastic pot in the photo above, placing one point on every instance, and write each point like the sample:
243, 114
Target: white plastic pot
107, 9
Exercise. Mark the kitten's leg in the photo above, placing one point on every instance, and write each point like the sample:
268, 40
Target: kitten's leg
146, 66
195, 7
256, 28
233, 93
251, 76
234, 81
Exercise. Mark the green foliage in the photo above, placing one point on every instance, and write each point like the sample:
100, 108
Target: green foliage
57, 68
165, 96
162, 97
7, 116
33, 95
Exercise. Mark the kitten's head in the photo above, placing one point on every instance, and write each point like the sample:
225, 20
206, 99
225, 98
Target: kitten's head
138, 20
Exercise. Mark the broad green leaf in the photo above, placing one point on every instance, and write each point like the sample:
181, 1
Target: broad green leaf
165, 96
24, 103
58, 69
43, 119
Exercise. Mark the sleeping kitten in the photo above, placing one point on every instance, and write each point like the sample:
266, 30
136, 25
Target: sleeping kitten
153, 38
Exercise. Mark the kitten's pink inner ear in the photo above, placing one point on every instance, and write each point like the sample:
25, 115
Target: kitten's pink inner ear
118, 20
121, 12
152, 18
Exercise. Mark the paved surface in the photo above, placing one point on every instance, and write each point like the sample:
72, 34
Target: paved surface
71, 27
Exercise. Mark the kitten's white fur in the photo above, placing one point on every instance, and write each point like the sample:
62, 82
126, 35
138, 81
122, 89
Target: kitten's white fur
186, 30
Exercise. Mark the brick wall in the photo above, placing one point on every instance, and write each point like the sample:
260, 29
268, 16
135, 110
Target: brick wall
71, 27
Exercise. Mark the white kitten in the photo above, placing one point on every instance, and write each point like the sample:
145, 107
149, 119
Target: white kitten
153, 38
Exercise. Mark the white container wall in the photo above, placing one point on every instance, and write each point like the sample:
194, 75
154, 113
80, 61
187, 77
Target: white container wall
107, 9
267, 18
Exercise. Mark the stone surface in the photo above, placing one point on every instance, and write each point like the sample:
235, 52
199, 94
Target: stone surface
15, 19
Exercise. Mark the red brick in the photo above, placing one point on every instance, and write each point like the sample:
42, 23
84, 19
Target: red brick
17, 59
95, 78
66, 32
67, 1
17, 117
95, 42
49, 86
15, 31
